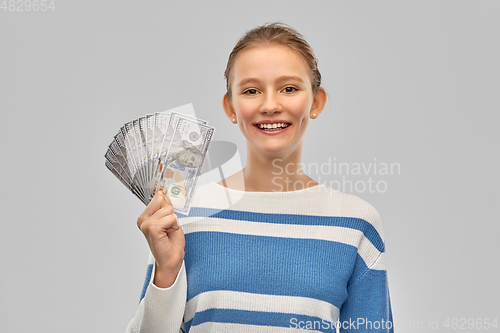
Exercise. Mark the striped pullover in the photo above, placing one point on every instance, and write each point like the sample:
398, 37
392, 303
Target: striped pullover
305, 260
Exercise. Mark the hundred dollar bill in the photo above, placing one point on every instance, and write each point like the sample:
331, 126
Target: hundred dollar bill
120, 153
162, 148
140, 151
147, 127
124, 182
129, 141
167, 122
162, 125
181, 167
175, 116
119, 147
162, 137
114, 160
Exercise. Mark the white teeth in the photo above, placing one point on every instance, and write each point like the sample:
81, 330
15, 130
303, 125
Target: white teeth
273, 126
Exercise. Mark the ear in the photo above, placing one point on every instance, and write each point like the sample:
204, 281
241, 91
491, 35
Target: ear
228, 107
319, 102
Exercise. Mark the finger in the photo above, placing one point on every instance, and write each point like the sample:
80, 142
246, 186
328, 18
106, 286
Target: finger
170, 223
156, 203
175, 226
162, 212
177, 237
153, 205
166, 198
159, 227
158, 219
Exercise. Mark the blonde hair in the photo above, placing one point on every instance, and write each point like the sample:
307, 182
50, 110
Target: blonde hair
275, 33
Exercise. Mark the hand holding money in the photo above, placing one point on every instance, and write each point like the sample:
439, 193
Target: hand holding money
166, 151
165, 237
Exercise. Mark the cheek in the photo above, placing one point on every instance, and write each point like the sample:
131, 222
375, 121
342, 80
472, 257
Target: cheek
244, 111
300, 107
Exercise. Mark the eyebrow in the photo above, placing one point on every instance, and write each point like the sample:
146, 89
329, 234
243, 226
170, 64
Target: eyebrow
280, 79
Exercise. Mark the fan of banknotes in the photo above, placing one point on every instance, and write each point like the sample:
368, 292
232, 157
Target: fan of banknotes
166, 151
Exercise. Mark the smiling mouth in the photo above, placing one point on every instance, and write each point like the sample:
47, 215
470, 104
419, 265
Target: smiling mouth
272, 127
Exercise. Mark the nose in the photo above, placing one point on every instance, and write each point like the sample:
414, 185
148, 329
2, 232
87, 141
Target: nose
271, 104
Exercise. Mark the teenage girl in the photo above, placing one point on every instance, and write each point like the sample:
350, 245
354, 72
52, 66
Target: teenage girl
287, 254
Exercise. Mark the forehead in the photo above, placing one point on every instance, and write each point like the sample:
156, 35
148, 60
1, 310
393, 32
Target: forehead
267, 62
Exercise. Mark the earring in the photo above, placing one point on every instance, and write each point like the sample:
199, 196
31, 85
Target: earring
314, 115
234, 120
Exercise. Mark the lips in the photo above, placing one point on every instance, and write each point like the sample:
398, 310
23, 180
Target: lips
272, 128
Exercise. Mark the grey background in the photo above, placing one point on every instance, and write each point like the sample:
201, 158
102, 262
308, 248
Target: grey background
409, 82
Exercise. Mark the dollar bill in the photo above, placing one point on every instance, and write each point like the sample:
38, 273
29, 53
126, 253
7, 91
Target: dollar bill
114, 157
129, 141
163, 150
147, 128
181, 167
111, 168
120, 143
140, 152
163, 132
167, 121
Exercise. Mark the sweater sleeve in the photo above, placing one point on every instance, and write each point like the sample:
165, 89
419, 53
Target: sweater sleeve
161, 310
368, 306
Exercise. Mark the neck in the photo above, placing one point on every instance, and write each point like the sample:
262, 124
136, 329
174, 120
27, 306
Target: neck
270, 172
275, 172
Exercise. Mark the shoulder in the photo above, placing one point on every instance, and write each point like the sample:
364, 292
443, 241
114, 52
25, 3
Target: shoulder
357, 214
335, 203
349, 211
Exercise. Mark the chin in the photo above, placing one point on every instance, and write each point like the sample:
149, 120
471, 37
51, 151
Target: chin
274, 150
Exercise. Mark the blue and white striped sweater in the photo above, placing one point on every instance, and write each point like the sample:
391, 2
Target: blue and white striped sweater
272, 262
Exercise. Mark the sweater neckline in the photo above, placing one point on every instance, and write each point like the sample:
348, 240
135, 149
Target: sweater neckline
312, 188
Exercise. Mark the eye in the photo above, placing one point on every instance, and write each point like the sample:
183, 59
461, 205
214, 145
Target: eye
289, 89
250, 92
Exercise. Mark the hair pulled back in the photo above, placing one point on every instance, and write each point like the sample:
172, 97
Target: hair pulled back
275, 33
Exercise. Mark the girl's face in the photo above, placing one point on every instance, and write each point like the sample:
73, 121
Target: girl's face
271, 85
